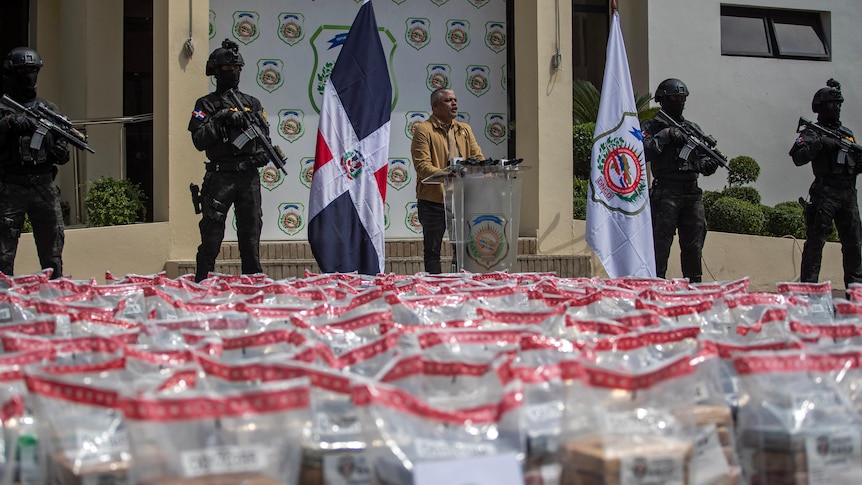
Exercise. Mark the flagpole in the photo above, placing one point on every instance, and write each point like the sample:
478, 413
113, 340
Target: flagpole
614, 7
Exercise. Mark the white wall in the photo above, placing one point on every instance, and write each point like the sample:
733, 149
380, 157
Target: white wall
752, 104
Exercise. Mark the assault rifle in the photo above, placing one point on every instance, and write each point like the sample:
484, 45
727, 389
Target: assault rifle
848, 143
47, 120
696, 141
253, 131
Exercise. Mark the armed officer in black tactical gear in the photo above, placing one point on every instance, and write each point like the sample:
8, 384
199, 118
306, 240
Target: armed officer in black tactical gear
675, 198
232, 173
27, 173
833, 192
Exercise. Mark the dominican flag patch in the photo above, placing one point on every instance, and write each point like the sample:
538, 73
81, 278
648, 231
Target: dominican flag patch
199, 114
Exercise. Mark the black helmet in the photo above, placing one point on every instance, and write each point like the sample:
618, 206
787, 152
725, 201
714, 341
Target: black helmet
830, 93
670, 87
226, 55
20, 57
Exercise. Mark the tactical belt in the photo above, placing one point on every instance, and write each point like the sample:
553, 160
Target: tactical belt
670, 185
30, 180
837, 184
240, 166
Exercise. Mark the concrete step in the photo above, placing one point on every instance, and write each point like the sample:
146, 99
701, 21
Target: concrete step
291, 259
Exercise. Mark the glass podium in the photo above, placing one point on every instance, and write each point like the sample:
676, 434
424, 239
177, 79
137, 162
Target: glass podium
482, 199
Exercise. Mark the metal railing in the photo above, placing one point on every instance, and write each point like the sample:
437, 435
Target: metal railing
82, 125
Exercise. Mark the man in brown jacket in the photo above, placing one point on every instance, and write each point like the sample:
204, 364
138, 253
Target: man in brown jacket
435, 143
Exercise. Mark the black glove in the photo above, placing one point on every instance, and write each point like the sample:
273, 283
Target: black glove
18, 124
230, 118
59, 153
260, 159
676, 136
707, 166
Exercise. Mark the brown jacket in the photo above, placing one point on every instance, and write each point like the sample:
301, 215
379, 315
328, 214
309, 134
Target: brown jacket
430, 151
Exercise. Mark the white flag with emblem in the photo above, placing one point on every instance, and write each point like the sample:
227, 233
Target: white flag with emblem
619, 225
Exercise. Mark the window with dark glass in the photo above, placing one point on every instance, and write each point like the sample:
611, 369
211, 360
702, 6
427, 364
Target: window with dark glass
763, 32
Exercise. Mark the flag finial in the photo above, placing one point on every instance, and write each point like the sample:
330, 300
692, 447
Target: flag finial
614, 7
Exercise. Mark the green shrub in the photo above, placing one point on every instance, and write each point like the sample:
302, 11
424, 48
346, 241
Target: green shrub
582, 139
742, 170
732, 215
579, 199
748, 194
785, 219
111, 202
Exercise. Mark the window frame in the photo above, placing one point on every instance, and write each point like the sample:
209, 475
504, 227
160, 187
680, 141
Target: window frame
770, 16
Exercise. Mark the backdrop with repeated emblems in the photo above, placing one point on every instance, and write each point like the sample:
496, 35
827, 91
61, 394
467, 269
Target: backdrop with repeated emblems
289, 49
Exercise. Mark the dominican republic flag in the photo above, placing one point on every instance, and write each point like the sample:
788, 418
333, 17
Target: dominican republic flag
348, 188
619, 225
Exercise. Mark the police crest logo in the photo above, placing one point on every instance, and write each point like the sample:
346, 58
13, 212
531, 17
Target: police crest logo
398, 174
306, 171
414, 118
290, 27
270, 177
477, 80
291, 218
621, 183
417, 35
398, 2
479, 3
495, 127
411, 218
495, 36
487, 243
439, 2
438, 76
245, 26
269, 75
463, 117
352, 163
326, 44
212, 24
458, 34
290, 124
386, 219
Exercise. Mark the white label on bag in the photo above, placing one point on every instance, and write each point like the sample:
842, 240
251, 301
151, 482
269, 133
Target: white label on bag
640, 421
834, 457
653, 470
325, 423
823, 401
5, 314
91, 445
224, 459
501, 469
443, 450
543, 413
708, 463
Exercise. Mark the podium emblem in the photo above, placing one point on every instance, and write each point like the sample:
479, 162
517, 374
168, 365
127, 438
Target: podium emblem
487, 244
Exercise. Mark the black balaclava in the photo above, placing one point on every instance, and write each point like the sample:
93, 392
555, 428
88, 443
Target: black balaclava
226, 80
22, 84
830, 116
673, 108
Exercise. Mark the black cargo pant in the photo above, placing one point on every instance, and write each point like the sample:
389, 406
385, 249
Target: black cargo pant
832, 203
432, 216
219, 191
40, 201
678, 207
